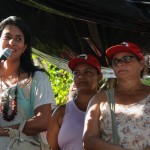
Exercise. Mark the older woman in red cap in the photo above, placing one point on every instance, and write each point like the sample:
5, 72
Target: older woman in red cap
66, 129
119, 118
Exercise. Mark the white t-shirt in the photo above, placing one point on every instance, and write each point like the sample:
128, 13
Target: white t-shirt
30, 95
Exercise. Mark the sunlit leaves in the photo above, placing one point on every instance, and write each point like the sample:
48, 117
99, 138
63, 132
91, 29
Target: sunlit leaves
60, 80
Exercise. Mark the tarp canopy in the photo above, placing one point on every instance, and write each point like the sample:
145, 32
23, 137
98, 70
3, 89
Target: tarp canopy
64, 29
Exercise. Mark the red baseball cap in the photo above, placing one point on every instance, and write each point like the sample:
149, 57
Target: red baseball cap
124, 47
85, 58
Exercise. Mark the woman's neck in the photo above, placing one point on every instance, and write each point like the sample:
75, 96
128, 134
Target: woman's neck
9, 70
129, 85
82, 100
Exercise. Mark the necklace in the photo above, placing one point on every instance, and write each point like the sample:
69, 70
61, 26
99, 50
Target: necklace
9, 111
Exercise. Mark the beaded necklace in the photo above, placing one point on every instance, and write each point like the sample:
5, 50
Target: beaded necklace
9, 113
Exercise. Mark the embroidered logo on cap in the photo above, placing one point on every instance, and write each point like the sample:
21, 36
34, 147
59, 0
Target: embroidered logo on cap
125, 44
84, 56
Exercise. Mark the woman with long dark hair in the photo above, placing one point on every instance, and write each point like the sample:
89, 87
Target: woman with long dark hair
25, 90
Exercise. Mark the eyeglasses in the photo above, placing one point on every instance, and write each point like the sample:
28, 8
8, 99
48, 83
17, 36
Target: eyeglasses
87, 73
125, 59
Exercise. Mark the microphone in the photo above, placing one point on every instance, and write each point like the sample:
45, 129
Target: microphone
5, 54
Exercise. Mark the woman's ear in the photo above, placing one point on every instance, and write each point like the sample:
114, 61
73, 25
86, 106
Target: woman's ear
100, 76
142, 62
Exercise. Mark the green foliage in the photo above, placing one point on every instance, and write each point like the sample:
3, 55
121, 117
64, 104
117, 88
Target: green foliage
146, 81
60, 80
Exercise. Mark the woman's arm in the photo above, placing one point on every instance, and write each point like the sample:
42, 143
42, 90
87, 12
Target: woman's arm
92, 136
40, 121
43, 101
54, 127
34, 125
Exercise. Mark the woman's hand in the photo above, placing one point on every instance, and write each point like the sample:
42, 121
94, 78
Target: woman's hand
3, 132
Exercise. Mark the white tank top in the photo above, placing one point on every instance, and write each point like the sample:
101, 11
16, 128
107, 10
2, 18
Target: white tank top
70, 134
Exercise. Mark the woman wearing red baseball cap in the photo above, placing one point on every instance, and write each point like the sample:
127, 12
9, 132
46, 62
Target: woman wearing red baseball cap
119, 118
66, 130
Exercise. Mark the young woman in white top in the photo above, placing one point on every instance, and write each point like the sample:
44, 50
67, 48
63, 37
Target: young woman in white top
25, 90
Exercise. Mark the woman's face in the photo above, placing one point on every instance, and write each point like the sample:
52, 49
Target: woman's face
13, 38
126, 64
86, 78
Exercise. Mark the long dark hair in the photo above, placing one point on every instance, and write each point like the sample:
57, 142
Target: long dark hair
26, 61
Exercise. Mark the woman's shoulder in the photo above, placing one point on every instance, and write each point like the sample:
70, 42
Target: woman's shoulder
99, 98
101, 95
59, 110
59, 113
40, 75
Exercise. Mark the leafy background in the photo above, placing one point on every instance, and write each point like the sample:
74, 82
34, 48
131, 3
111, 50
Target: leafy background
59, 78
